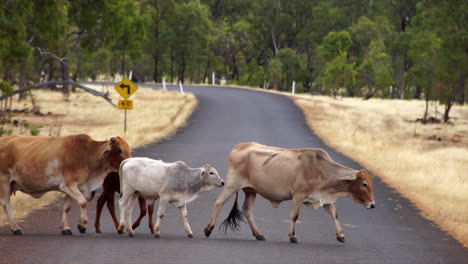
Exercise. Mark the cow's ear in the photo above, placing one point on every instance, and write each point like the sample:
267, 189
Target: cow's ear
202, 171
349, 177
113, 142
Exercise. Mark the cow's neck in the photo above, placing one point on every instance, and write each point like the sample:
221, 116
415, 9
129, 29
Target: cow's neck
100, 166
195, 182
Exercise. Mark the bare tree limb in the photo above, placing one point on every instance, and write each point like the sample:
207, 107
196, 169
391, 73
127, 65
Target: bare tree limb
50, 54
75, 84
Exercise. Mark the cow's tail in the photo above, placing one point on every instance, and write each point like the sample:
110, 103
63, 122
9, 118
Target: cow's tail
121, 176
234, 218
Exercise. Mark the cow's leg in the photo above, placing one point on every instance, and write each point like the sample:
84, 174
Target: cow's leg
150, 217
128, 213
247, 209
5, 192
142, 203
13, 225
100, 204
296, 206
111, 207
75, 193
331, 209
161, 212
188, 230
67, 202
123, 206
220, 200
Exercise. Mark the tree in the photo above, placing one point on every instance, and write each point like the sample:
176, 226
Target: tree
275, 73
188, 38
423, 51
448, 21
375, 70
339, 71
292, 66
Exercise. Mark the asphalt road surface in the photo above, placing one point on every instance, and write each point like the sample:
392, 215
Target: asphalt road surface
393, 232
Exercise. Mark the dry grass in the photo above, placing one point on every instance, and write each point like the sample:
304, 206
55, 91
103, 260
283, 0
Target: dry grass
156, 114
382, 135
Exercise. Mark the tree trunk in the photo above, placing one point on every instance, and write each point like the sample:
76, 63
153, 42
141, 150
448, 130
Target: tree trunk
460, 98
426, 112
449, 103
155, 73
418, 93
182, 70
22, 79
172, 69
65, 75
123, 64
207, 68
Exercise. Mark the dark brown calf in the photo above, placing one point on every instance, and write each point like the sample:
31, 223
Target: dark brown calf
111, 186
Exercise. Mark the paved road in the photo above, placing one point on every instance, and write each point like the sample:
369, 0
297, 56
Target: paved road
394, 232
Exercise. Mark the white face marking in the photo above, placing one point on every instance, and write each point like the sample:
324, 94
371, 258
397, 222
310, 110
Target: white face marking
52, 167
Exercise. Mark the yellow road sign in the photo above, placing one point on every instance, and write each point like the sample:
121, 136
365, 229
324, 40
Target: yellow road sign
126, 88
126, 104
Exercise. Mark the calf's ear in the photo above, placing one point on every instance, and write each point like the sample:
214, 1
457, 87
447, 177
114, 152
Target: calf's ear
202, 171
351, 177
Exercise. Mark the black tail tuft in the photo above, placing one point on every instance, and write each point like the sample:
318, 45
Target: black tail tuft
234, 218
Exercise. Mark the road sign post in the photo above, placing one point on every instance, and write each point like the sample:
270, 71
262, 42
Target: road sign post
126, 88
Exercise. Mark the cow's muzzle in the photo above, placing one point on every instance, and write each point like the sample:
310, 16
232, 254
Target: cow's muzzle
222, 184
370, 205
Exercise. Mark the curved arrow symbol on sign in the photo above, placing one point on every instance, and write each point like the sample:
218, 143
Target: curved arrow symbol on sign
123, 86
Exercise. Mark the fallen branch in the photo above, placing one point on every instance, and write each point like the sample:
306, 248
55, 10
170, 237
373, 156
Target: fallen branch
75, 84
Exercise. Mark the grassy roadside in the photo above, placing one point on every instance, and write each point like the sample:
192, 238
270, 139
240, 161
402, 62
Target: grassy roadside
156, 114
426, 163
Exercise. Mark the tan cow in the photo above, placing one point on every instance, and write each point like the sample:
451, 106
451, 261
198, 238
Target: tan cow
305, 176
75, 165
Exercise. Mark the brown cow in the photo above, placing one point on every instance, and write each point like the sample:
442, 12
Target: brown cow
111, 186
307, 176
75, 165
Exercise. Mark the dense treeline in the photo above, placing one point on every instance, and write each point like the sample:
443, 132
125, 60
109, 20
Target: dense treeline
368, 48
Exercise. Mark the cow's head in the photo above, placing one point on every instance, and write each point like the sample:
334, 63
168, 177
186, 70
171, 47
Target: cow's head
210, 176
117, 150
360, 188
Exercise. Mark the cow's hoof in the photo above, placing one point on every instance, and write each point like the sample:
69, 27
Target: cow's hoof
190, 235
81, 228
120, 232
18, 232
67, 232
341, 239
261, 238
207, 232
131, 234
157, 236
98, 231
293, 240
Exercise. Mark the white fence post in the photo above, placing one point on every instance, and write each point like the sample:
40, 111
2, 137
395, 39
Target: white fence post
213, 79
294, 87
164, 83
181, 88
130, 75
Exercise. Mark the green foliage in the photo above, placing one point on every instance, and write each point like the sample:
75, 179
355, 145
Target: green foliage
375, 70
292, 67
275, 73
339, 73
34, 130
336, 43
6, 88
